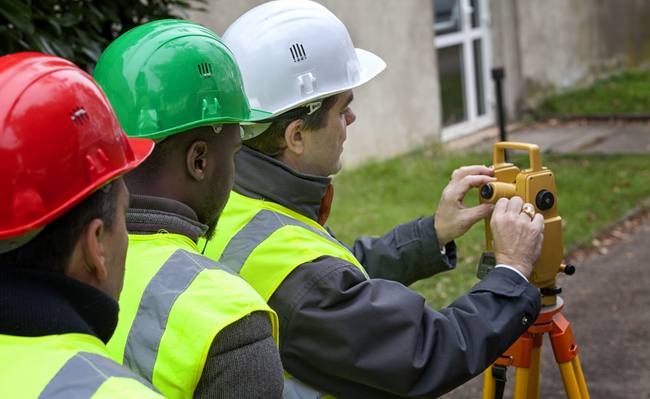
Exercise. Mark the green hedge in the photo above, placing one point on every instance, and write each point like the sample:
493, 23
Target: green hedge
78, 29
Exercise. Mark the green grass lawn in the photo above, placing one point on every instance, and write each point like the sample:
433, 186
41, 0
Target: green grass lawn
593, 192
622, 94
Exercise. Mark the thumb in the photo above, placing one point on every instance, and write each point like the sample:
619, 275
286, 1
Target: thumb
478, 212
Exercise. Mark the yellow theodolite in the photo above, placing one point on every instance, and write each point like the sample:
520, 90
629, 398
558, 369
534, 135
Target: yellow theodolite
535, 185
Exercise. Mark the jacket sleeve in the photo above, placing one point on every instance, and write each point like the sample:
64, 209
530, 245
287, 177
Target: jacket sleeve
375, 338
407, 253
243, 362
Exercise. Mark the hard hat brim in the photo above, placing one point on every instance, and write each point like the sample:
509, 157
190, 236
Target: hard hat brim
257, 115
142, 148
371, 65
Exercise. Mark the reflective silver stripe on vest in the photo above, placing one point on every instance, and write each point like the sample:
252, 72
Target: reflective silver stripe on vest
159, 296
83, 374
258, 229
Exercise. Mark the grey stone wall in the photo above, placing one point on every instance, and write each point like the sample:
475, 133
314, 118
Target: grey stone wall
551, 45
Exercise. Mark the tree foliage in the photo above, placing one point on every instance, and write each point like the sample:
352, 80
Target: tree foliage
78, 30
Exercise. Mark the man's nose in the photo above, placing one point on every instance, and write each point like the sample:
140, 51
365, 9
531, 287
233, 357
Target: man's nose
350, 117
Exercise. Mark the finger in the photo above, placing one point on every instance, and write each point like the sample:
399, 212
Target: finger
476, 213
500, 207
514, 205
460, 188
538, 222
471, 170
529, 210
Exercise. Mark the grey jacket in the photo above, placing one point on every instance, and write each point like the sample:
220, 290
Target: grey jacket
243, 361
374, 338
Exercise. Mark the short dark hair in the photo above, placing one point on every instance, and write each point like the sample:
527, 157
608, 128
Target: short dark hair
51, 249
272, 142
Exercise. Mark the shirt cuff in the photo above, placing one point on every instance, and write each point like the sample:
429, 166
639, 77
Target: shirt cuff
513, 269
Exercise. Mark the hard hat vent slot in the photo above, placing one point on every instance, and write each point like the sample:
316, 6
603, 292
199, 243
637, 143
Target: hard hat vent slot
78, 115
205, 70
298, 52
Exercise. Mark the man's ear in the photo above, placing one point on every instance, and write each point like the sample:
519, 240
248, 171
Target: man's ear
196, 160
294, 137
94, 250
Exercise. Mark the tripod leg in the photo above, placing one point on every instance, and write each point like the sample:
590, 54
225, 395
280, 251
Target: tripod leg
488, 384
522, 376
533, 384
494, 381
566, 355
570, 381
580, 377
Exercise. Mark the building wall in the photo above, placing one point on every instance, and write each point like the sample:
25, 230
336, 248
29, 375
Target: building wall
563, 43
506, 53
399, 109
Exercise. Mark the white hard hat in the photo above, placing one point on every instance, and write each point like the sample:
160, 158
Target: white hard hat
293, 52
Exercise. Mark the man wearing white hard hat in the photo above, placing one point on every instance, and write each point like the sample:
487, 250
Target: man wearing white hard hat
348, 325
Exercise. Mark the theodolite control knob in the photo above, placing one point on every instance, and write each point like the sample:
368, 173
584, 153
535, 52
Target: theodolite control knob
544, 200
568, 269
487, 191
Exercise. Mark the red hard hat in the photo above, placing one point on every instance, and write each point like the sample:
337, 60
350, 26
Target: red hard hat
59, 141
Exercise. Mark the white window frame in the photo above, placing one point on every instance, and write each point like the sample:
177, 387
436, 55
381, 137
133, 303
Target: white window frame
465, 37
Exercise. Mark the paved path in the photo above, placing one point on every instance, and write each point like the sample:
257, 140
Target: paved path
631, 138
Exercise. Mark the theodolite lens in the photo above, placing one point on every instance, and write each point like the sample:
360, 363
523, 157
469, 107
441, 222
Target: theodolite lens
487, 191
544, 200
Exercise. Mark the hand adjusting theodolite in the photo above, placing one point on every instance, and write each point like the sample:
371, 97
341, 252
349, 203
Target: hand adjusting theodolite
535, 185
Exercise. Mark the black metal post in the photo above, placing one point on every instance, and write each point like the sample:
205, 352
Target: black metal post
497, 75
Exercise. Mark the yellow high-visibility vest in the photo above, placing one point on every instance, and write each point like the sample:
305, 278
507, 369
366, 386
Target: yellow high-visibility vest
173, 304
264, 242
65, 366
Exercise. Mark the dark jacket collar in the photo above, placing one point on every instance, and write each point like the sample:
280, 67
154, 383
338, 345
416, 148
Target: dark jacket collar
262, 177
149, 215
36, 303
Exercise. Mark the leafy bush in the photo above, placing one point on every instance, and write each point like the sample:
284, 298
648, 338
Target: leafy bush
78, 29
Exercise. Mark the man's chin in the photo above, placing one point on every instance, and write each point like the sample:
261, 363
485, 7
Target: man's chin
337, 168
209, 234
212, 227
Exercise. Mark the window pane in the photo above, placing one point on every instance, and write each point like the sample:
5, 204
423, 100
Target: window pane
450, 76
475, 13
478, 75
447, 18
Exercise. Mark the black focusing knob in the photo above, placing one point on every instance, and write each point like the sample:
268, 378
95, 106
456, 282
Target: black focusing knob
569, 269
487, 191
544, 200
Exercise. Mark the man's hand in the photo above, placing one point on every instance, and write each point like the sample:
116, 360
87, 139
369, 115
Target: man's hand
517, 238
453, 218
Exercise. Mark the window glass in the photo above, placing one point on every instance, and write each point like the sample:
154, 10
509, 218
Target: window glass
447, 16
450, 76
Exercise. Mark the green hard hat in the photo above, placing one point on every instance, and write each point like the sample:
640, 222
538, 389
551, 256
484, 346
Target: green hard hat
169, 76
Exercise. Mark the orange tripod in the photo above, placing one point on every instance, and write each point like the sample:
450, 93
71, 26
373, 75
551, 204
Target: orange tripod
525, 353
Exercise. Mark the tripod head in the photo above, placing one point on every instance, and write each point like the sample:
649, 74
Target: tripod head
535, 185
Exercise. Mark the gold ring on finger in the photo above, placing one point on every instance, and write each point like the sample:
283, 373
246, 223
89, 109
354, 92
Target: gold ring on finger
529, 210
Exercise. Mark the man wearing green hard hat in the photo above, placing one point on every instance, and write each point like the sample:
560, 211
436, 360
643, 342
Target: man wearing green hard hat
187, 324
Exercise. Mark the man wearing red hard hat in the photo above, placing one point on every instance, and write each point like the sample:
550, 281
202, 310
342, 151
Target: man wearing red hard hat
63, 237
